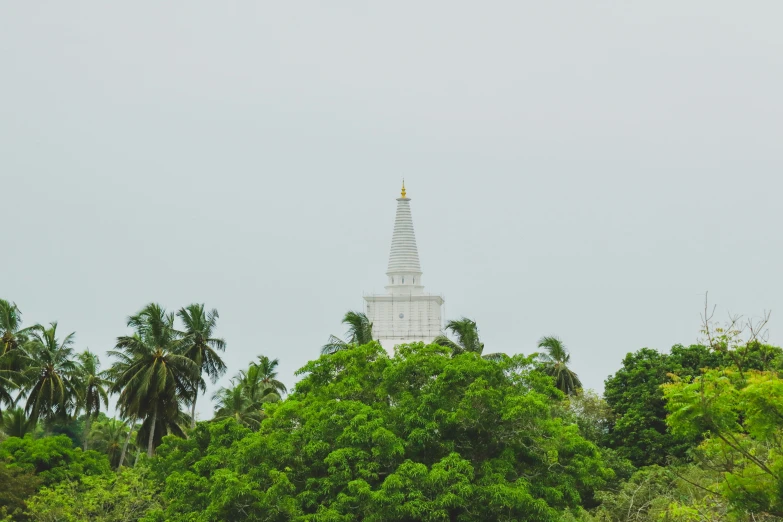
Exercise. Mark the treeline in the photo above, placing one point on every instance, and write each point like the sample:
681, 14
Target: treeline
437, 432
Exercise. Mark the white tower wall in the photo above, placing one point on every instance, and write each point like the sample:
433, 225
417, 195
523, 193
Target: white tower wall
405, 313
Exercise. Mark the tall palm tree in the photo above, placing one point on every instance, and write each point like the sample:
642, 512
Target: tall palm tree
202, 348
172, 419
554, 362
267, 375
359, 333
12, 335
108, 437
16, 423
234, 402
151, 374
50, 375
256, 385
92, 387
10, 381
131, 428
466, 332
250, 390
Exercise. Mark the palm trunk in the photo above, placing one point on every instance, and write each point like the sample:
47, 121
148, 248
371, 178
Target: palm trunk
193, 412
138, 454
150, 448
86, 435
125, 447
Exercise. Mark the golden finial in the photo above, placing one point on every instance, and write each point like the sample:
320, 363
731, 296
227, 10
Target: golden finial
403, 187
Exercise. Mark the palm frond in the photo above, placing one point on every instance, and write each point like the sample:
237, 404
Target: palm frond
334, 344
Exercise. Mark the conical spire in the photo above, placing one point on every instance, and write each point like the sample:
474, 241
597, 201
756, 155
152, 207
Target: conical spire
404, 268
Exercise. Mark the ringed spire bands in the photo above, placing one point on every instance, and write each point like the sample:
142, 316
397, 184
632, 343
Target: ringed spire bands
404, 255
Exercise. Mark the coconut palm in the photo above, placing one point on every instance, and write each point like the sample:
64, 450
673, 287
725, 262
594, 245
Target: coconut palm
50, 375
466, 332
266, 375
359, 333
151, 374
131, 428
16, 423
9, 382
202, 348
554, 362
108, 436
171, 420
234, 402
92, 387
249, 391
256, 386
12, 335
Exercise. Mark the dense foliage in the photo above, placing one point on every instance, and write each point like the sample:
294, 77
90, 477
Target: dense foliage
434, 432
366, 437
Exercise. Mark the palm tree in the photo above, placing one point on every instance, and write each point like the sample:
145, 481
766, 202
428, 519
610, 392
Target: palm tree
16, 423
250, 389
12, 336
555, 364
466, 332
131, 427
50, 389
92, 390
359, 333
171, 420
108, 437
9, 381
200, 347
256, 386
151, 374
266, 375
235, 403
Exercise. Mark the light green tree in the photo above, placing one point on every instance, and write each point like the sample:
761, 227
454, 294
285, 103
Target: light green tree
740, 415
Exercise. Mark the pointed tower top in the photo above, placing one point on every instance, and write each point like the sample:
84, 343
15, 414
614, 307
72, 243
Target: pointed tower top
404, 256
402, 194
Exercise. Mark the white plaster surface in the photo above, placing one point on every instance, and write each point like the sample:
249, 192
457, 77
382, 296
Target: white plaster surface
405, 313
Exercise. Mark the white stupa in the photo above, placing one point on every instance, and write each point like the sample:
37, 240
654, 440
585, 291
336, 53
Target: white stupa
405, 313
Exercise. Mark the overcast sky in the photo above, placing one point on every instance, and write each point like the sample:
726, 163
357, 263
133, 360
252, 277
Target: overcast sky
583, 169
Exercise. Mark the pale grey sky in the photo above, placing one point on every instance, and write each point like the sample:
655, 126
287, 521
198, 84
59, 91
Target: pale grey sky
584, 169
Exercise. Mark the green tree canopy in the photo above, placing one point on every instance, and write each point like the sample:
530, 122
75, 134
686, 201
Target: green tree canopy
52, 459
740, 416
420, 436
635, 395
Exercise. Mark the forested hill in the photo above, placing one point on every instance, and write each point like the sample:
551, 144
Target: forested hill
439, 432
